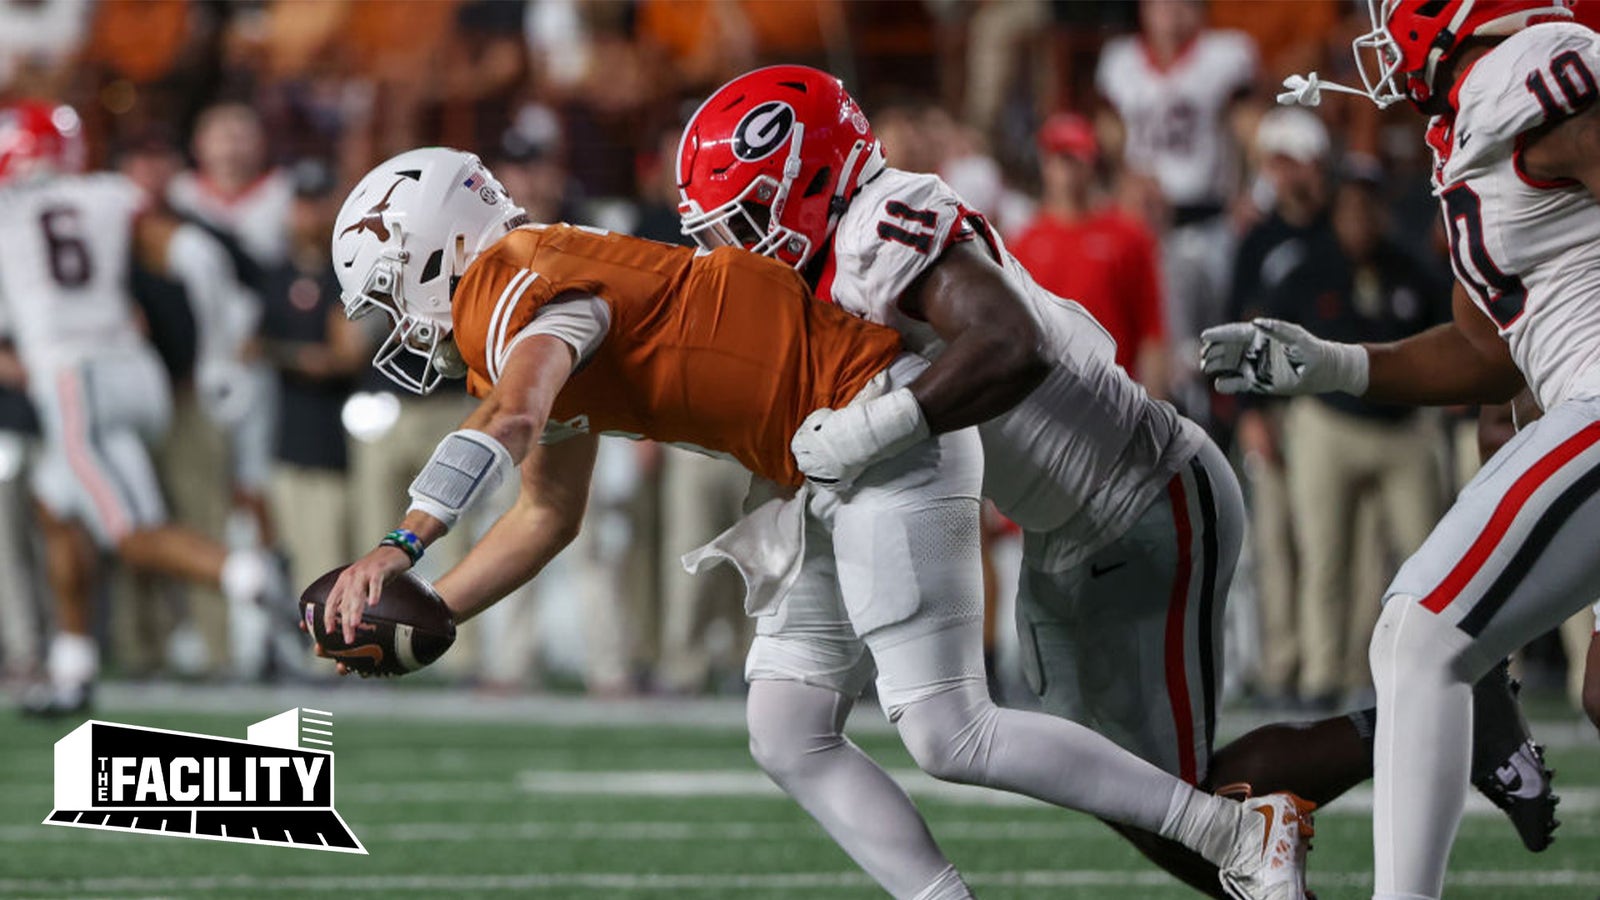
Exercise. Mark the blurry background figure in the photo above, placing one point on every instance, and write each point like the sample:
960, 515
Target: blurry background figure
1080, 247
23, 587
1292, 158
1356, 284
1174, 94
1005, 39
528, 161
317, 354
233, 188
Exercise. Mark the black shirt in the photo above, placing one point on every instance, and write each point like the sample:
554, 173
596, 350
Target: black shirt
295, 310
1390, 298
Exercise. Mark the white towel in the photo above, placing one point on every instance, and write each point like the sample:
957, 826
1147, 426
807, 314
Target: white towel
766, 545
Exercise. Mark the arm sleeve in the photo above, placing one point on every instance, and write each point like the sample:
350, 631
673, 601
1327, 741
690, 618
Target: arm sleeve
580, 320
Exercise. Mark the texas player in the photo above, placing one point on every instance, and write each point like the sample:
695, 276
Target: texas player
1513, 89
566, 333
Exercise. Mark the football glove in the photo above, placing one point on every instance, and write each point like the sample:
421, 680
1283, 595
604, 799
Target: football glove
1267, 356
834, 446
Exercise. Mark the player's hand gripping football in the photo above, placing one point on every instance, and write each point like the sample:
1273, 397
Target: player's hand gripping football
359, 587
1267, 356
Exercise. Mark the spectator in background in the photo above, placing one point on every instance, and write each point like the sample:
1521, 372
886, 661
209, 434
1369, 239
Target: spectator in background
233, 189
1291, 147
527, 159
1354, 286
317, 353
1081, 248
22, 581
1175, 90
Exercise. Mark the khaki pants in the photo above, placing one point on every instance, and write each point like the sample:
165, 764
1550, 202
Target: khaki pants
1333, 461
700, 498
312, 507
22, 581
1272, 540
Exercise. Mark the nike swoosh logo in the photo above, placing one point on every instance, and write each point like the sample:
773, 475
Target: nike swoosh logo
1266, 833
365, 651
1462, 140
1096, 570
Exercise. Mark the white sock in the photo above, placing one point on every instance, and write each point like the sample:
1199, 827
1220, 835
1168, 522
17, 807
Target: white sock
245, 576
1205, 823
1422, 749
74, 659
948, 886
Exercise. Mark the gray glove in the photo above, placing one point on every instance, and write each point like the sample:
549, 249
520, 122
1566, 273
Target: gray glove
1267, 356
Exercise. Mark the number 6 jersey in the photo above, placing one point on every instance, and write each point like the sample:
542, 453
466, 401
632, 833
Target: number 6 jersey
1527, 251
64, 274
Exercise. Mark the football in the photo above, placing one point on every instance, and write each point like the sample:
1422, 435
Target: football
408, 628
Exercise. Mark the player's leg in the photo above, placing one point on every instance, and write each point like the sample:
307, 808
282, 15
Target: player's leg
806, 668
1511, 559
906, 544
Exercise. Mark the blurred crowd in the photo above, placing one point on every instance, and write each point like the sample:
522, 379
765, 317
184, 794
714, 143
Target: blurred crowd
1131, 154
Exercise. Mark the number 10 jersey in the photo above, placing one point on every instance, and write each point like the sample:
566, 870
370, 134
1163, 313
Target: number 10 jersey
1527, 251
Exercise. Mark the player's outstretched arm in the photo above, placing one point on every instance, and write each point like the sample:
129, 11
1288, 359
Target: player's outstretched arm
467, 465
993, 355
544, 520
1463, 361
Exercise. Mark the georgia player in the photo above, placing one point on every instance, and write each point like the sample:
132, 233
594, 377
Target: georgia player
99, 387
1133, 518
1515, 133
566, 333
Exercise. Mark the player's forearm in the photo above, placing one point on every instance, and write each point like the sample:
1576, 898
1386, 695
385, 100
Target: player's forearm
1438, 367
513, 551
979, 376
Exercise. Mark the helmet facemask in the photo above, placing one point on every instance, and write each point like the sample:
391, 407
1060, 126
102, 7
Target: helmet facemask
418, 353
1378, 60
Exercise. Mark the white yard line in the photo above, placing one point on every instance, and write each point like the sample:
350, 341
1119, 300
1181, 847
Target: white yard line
799, 881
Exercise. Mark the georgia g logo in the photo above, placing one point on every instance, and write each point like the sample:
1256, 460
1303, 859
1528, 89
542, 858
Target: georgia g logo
763, 130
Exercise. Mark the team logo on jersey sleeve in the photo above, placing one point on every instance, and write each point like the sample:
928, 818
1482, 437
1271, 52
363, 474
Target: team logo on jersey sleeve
763, 130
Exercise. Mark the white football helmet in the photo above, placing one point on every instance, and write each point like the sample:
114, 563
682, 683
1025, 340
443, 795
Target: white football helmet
406, 233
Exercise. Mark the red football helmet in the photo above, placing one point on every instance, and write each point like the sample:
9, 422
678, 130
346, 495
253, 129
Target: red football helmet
770, 161
38, 137
1399, 57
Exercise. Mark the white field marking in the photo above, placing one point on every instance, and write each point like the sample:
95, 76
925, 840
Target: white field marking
316, 731
798, 881
304, 719
316, 741
373, 699
1073, 828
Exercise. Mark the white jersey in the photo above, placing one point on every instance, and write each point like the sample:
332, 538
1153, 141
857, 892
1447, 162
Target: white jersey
1527, 251
64, 273
1176, 116
1077, 461
258, 217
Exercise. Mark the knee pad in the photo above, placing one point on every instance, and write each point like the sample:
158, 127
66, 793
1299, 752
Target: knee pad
1410, 642
950, 734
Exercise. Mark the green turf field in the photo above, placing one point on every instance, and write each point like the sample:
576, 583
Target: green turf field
452, 806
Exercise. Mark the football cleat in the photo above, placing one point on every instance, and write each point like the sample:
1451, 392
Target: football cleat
1268, 860
49, 701
1507, 766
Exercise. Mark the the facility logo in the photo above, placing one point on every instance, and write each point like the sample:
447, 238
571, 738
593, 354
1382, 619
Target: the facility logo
275, 787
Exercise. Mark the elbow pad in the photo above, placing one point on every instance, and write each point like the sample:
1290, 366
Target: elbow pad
465, 466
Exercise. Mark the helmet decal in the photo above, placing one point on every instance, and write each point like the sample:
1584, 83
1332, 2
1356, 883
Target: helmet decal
373, 219
763, 130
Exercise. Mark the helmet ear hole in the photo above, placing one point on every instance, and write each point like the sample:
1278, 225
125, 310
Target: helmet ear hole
819, 182
430, 269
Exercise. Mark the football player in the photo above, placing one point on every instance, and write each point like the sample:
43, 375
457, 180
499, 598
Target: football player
99, 387
1510, 86
1133, 518
566, 333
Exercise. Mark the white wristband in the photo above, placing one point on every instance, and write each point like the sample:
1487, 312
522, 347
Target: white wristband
1350, 364
466, 465
892, 423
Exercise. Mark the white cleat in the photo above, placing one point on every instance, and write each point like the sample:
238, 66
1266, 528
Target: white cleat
1268, 861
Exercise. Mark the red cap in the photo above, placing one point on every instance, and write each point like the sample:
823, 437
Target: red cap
1069, 134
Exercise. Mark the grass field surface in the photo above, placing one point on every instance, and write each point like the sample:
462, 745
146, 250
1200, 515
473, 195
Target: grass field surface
457, 796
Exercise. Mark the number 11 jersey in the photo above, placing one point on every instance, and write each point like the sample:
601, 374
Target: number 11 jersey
1527, 251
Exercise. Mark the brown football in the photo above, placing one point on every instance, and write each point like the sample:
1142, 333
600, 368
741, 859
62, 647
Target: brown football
408, 628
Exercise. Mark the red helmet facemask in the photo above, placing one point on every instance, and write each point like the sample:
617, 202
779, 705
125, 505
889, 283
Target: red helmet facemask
39, 138
770, 161
1401, 56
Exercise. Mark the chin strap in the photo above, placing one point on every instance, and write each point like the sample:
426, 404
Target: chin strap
1306, 90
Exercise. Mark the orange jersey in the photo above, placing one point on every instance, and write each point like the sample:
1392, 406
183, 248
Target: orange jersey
726, 351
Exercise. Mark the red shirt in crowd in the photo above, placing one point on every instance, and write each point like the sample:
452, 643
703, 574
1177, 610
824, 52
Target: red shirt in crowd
1106, 262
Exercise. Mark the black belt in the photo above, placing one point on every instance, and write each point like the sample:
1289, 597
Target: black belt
1192, 213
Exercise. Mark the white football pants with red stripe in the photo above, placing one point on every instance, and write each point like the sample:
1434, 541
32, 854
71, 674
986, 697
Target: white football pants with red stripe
99, 418
1129, 642
1515, 556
